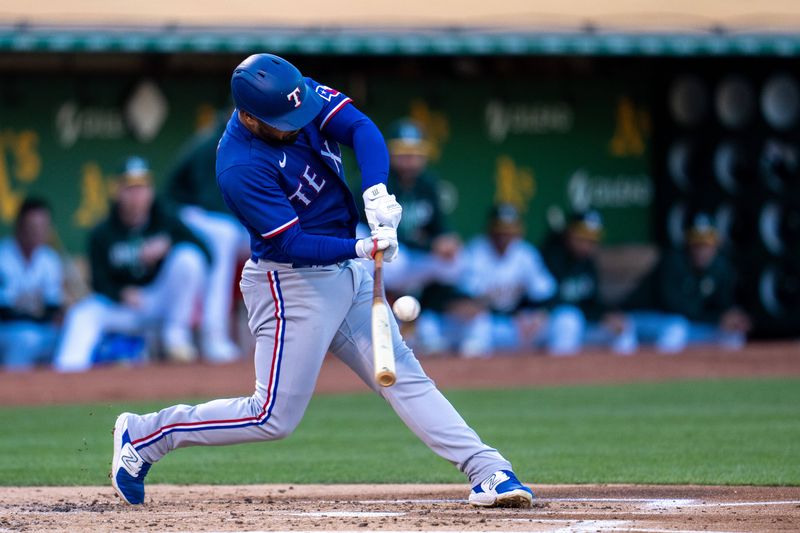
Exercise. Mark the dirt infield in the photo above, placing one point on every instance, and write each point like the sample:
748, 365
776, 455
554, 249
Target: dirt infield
164, 381
560, 508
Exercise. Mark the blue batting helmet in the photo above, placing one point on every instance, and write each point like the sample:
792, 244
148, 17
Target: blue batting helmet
273, 90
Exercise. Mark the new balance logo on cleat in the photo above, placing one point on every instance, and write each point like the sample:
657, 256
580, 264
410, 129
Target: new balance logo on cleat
495, 479
501, 489
131, 461
128, 468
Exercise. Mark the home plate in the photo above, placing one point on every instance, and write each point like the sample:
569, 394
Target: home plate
348, 514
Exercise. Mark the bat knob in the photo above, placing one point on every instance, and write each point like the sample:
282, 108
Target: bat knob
385, 378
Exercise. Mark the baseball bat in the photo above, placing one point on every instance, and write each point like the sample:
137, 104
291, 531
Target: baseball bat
382, 348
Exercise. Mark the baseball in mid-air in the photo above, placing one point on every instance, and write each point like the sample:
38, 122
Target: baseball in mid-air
406, 308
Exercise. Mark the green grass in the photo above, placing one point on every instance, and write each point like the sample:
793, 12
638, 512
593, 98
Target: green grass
707, 432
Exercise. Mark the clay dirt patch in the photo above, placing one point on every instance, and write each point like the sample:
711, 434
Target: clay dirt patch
171, 381
559, 508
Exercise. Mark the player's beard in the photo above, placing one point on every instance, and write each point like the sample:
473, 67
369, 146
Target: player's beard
267, 134
290, 138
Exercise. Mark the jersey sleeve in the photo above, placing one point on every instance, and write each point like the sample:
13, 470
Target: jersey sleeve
347, 125
258, 199
333, 101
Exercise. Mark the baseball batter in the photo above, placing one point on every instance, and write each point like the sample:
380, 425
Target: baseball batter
279, 169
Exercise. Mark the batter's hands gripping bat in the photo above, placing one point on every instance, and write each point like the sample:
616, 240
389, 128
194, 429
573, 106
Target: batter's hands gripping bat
382, 347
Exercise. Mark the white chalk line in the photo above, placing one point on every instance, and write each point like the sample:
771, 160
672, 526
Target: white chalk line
382, 502
590, 526
652, 530
649, 502
622, 500
742, 504
345, 514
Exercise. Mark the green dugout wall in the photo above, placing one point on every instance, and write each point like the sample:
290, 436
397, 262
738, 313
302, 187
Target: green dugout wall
544, 134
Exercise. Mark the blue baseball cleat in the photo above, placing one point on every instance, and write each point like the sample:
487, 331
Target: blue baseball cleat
501, 489
128, 469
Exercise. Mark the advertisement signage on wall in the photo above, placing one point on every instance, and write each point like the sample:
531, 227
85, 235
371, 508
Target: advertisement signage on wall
539, 145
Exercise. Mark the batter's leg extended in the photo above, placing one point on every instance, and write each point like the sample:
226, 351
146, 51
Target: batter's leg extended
414, 397
294, 314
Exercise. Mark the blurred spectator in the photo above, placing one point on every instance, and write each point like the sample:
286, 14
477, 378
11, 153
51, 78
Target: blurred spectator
192, 184
584, 319
429, 251
31, 294
509, 287
147, 272
689, 296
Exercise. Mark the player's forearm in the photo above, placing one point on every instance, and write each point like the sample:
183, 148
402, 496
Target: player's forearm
371, 154
353, 128
308, 249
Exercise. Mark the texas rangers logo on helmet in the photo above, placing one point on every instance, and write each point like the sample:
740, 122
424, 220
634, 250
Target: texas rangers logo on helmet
294, 95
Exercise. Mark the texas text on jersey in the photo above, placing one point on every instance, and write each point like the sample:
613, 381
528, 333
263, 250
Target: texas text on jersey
301, 182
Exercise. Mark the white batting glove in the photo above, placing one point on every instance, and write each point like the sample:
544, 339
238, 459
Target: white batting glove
383, 238
381, 207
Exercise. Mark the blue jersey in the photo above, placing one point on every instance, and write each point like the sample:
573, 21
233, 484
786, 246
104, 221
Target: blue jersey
291, 196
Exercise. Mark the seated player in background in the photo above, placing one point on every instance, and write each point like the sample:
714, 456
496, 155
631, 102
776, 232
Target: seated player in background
191, 184
584, 319
31, 295
147, 273
689, 297
429, 251
508, 287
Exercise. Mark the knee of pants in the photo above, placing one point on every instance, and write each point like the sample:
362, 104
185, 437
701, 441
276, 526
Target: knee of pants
674, 335
408, 365
567, 319
429, 334
284, 416
476, 337
412, 380
92, 307
189, 260
273, 431
567, 325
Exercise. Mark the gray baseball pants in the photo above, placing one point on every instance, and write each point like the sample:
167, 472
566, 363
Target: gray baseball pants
297, 315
